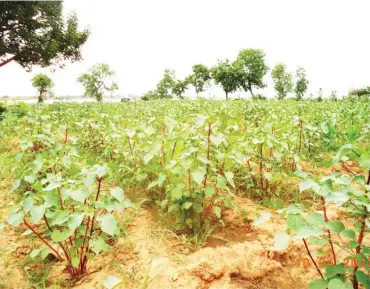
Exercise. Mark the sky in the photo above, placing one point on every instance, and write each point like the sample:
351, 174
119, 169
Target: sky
141, 38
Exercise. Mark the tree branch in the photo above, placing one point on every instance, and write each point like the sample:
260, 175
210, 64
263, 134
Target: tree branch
6, 61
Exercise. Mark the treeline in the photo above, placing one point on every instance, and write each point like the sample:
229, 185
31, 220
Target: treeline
245, 73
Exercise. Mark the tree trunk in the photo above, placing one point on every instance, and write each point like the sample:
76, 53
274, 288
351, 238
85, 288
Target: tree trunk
227, 95
250, 89
40, 97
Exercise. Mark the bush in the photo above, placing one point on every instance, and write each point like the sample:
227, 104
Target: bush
360, 92
19, 110
2, 110
151, 94
259, 97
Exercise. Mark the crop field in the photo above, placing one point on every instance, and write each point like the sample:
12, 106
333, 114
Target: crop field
185, 194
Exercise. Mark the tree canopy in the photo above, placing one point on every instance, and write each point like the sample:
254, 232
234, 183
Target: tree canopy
98, 81
252, 68
301, 83
36, 33
199, 78
43, 83
282, 79
225, 74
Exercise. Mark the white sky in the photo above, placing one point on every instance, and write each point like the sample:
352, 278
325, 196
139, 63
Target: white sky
140, 38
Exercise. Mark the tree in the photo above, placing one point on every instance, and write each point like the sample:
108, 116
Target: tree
301, 83
320, 96
165, 85
282, 79
333, 95
179, 88
225, 74
200, 77
36, 33
98, 81
252, 68
43, 84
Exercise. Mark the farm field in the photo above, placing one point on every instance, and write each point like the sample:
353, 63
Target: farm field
185, 194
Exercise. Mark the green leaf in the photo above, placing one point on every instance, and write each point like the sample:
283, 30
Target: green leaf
37, 212
307, 231
187, 205
30, 179
74, 221
16, 185
363, 278
217, 211
281, 241
318, 284
27, 204
338, 284
209, 191
365, 161
306, 184
349, 233
261, 218
15, 218
332, 271
335, 225
198, 176
79, 195
118, 193
108, 224
147, 158
216, 140
53, 185
99, 245
111, 282
221, 182
58, 236
44, 252
75, 262
34, 253
176, 193
295, 222
230, 178
315, 219
338, 198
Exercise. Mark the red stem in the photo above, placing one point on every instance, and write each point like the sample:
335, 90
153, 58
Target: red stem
329, 233
313, 261
83, 246
43, 240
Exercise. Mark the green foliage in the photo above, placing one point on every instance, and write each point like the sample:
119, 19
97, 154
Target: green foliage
62, 200
252, 68
43, 83
199, 78
165, 85
350, 191
98, 81
36, 33
360, 92
320, 96
179, 87
282, 80
225, 74
333, 96
301, 83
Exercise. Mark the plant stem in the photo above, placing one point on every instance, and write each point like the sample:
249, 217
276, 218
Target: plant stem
60, 199
313, 261
43, 240
83, 246
300, 136
368, 178
208, 154
358, 248
47, 224
329, 233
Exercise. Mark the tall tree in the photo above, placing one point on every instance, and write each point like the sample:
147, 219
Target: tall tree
282, 79
225, 74
43, 84
199, 78
165, 85
301, 83
252, 68
179, 87
36, 33
98, 81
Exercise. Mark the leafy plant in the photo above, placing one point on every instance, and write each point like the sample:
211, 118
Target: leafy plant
63, 202
349, 190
